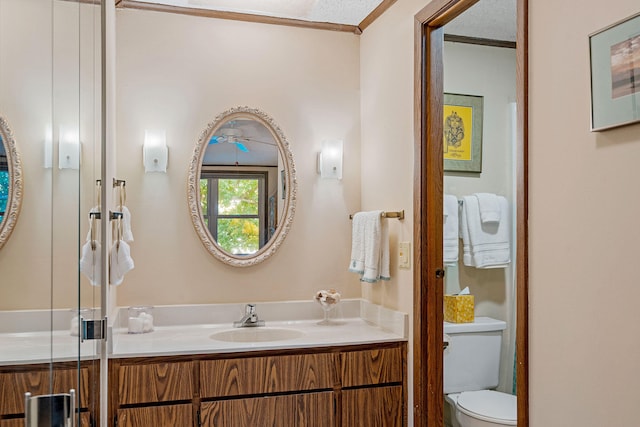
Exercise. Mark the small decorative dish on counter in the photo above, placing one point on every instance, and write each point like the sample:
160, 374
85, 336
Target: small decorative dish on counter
328, 300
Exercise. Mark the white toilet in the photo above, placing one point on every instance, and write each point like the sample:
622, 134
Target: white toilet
471, 371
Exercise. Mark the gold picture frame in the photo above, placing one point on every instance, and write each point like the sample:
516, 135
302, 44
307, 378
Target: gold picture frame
462, 139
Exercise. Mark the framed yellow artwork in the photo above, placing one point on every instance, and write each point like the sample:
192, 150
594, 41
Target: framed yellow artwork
462, 133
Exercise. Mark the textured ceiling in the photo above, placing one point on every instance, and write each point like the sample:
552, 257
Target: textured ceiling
487, 19
349, 12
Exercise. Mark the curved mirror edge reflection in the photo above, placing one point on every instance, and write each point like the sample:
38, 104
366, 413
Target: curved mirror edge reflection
13, 167
288, 187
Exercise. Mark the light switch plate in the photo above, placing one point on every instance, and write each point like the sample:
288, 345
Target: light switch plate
404, 255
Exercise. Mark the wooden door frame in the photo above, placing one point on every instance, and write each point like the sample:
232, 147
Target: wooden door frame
428, 283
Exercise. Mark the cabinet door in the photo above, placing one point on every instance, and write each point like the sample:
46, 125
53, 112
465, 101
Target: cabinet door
370, 367
155, 382
37, 381
156, 416
296, 410
373, 407
269, 374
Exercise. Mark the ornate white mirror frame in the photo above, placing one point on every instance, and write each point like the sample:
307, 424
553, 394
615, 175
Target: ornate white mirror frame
14, 200
288, 188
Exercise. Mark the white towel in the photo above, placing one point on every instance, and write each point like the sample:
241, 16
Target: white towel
370, 247
121, 262
485, 245
127, 235
90, 262
451, 236
489, 207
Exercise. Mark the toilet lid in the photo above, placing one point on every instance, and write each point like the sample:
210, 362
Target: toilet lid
489, 405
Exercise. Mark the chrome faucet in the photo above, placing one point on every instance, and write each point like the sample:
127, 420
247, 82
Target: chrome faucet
250, 318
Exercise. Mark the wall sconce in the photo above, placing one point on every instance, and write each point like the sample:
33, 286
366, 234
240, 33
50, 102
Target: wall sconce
155, 152
330, 159
69, 148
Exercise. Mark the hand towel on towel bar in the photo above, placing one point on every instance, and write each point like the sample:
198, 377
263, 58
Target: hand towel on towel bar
489, 206
450, 237
90, 262
485, 245
120, 263
370, 247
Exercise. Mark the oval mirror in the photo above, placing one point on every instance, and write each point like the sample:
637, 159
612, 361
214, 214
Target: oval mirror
10, 182
242, 187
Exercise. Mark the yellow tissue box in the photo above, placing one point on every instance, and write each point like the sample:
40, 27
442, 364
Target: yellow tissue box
458, 308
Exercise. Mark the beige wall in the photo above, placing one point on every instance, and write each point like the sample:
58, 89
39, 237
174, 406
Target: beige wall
386, 79
583, 230
178, 73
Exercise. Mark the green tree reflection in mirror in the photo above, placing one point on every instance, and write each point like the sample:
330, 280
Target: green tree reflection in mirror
237, 223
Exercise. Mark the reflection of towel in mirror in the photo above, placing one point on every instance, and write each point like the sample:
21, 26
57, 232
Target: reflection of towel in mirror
489, 206
121, 262
370, 247
90, 262
451, 239
485, 245
92, 223
127, 235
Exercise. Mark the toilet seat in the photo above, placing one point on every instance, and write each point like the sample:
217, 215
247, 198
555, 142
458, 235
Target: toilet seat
488, 405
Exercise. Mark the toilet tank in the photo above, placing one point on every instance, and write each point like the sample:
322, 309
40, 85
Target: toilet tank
472, 359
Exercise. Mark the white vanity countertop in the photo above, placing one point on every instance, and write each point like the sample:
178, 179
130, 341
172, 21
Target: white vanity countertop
196, 339
182, 330
43, 347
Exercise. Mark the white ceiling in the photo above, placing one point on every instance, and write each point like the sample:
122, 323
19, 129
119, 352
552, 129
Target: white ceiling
488, 19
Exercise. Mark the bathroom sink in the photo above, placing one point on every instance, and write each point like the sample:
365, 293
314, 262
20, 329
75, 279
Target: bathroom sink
257, 334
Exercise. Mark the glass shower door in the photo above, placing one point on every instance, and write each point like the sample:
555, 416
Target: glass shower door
50, 97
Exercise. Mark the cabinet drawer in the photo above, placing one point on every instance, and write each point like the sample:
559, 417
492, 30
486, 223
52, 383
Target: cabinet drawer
269, 374
308, 410
373, 407
170, 415
372, 367
37, 381
155, 382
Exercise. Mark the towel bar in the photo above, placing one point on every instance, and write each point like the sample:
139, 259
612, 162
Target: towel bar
398, 214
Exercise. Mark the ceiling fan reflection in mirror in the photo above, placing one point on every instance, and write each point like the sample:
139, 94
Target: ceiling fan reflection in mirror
243, 142
230, 136
236, 136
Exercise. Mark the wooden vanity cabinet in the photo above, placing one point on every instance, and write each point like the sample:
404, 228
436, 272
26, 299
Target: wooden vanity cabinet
373, 390
323, 387
313, 377
44, 378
